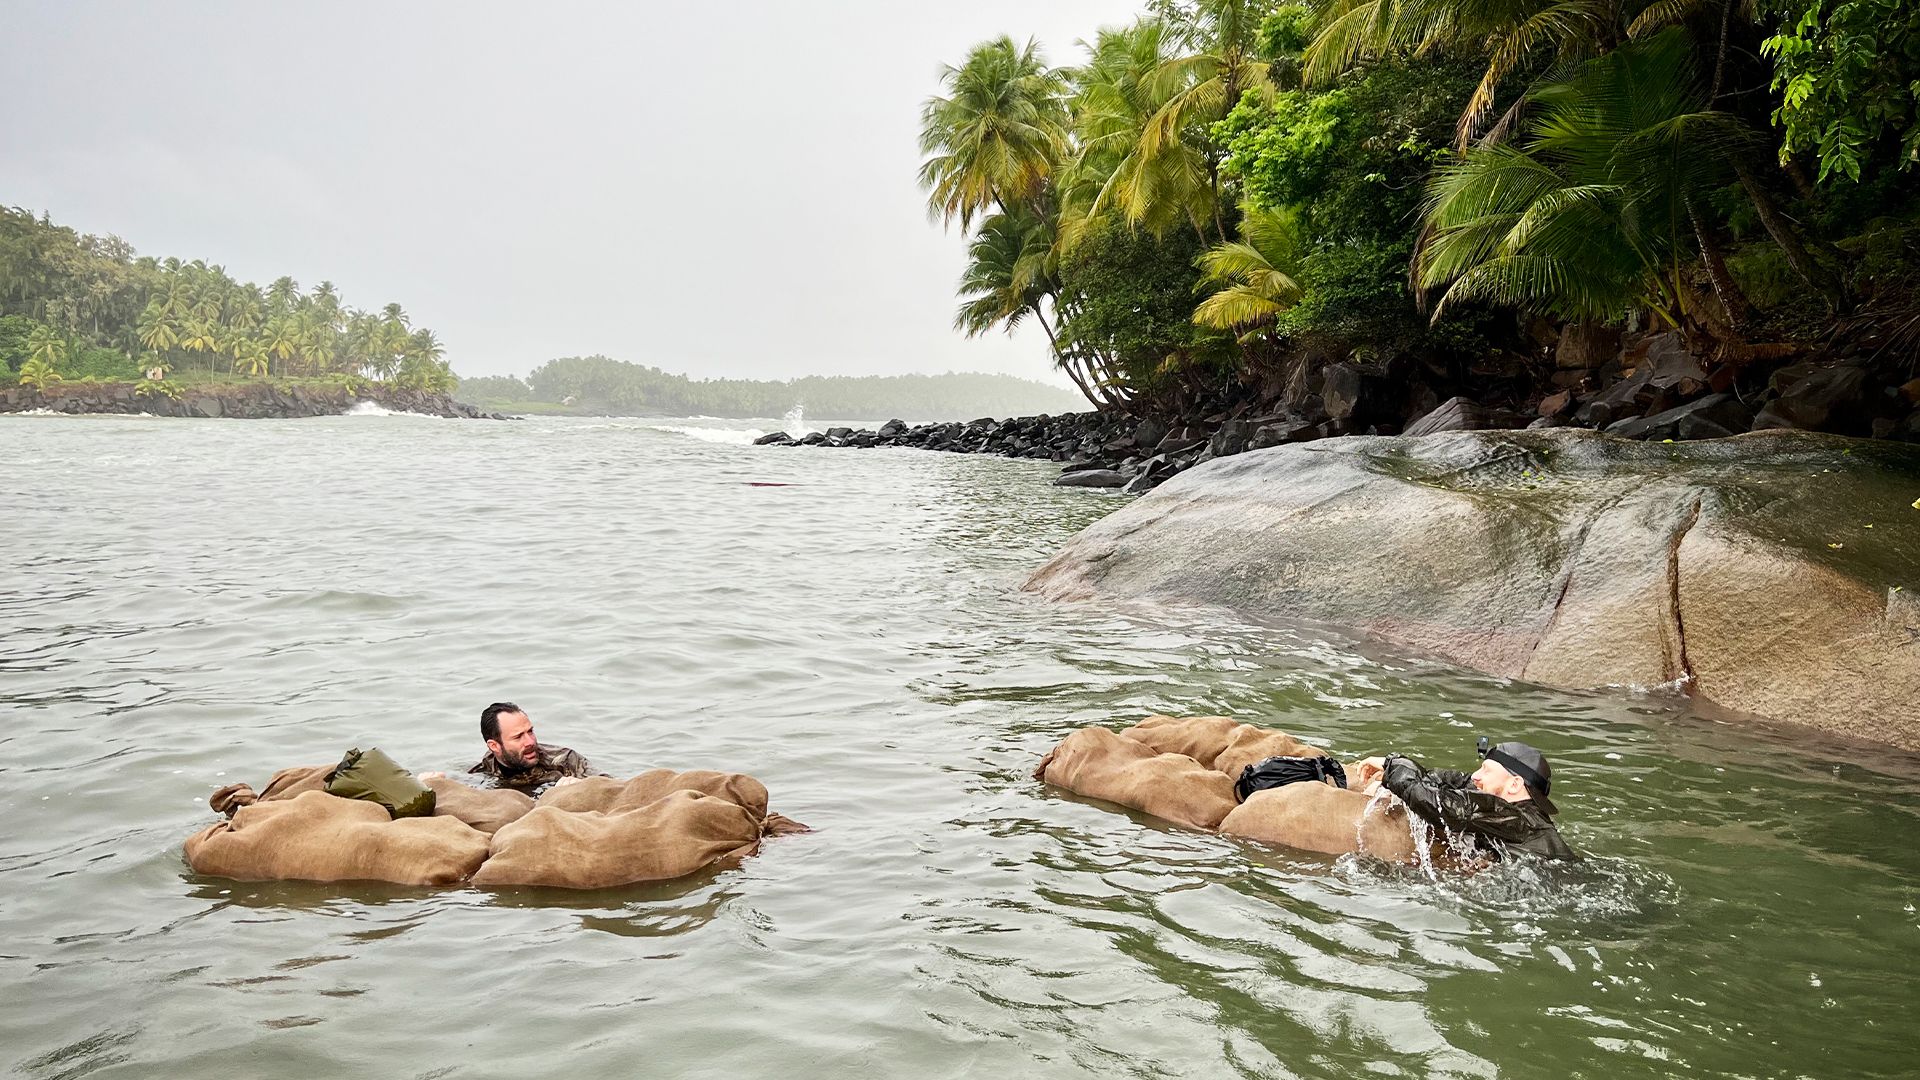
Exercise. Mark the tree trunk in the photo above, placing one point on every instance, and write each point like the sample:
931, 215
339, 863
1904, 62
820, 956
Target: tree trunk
1783, 232
1065, 361
1720, 56
1732, 301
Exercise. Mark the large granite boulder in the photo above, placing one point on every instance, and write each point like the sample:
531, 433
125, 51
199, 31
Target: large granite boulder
1741, 570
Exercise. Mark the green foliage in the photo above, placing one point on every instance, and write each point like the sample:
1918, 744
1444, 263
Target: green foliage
82, 296
1848, 74
1590, 212
603, 384
1350, 158
500, 388
1127, 299
38, 373
1006, 278
15, 332
157, 388
1286, 32
94, 362
1580, 159
994, 138
1252, 274
1347, 163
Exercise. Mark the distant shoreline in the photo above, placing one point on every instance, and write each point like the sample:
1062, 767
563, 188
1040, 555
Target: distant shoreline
252, 400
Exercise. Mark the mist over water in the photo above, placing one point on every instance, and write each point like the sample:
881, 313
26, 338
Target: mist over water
189, 603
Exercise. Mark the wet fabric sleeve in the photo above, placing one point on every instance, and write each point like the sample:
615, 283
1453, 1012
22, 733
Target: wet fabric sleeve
573, 763
1448, 798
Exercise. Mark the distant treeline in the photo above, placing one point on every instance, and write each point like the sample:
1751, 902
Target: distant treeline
604, 385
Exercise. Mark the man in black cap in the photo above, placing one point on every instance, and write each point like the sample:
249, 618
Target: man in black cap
1502, 806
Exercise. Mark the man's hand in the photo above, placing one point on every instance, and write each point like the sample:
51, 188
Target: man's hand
1370, 770
426, 776
565, 780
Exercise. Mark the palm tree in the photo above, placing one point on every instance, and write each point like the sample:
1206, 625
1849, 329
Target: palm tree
200, 336
1201, 87
37, 373
1008, 278
282, 295
317, 340
1257, 288
1591, 211
46, 347
995, 138
1510, 32
281, 338
1116, 96
157, 331
425, 345
250, 355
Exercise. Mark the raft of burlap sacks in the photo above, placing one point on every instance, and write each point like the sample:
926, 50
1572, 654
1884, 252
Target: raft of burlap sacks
594, 833
1182, 769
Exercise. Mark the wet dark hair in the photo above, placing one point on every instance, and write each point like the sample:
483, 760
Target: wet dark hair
490, 719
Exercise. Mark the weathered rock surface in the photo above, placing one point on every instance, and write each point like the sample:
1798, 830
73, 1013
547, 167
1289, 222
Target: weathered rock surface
1741, 569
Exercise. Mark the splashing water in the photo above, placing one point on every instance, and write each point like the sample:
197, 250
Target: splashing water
795, 421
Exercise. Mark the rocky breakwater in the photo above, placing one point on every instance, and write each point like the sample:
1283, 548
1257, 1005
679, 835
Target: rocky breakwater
1099, 450
1773, 574
248, 400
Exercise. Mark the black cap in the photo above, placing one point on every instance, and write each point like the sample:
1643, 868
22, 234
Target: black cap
1529, 765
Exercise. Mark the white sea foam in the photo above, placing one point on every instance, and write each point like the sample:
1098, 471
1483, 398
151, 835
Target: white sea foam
368, 408
729, 436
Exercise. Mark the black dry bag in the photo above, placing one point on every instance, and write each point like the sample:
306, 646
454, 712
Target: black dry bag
1281, 771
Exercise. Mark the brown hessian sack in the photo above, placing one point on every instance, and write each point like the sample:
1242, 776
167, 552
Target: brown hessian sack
1321, 817
1100, 764
486, 809
672, 836
315, 836
1198, 737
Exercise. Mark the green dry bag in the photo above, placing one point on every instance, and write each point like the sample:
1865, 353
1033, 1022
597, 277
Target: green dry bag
373, 776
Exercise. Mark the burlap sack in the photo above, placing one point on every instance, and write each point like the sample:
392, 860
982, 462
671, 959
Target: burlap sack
672, 836
1249, 744
1321, 817
314, 836
485, 809
285, 785
1100, 764
611, 796
1218, 742
1198, 737
298, 780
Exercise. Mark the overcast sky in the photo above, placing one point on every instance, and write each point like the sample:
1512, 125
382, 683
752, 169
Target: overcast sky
716, 189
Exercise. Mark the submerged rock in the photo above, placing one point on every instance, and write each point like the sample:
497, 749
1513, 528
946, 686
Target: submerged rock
1742, 570
1091, 478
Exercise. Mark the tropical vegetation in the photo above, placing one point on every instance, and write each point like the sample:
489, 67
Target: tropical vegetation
76, 306
1224, 196
601, 385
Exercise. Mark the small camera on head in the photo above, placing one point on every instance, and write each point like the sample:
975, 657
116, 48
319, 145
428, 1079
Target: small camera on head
1481, 747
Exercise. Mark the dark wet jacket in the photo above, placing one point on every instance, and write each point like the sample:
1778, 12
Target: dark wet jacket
1448, 799
555, 762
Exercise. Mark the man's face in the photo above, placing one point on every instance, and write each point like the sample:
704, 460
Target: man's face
1491, 777
516, 747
